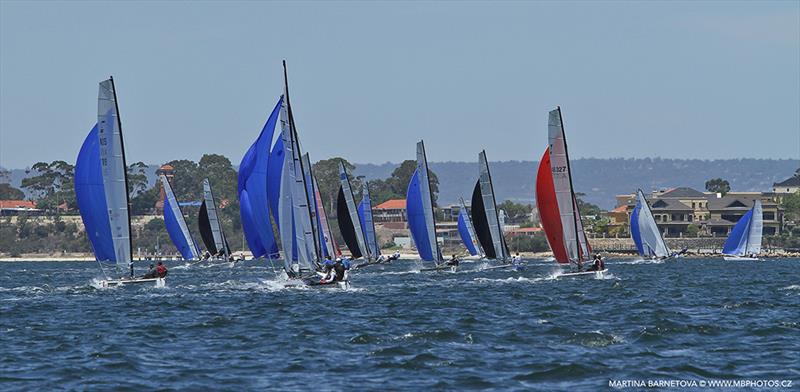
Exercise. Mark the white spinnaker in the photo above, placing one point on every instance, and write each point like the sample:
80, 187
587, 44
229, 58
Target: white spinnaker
490, 207
351, 209
176, 210
112, 162
648, 230
303, 232
427, 200
756, 229
213, 219
563, 184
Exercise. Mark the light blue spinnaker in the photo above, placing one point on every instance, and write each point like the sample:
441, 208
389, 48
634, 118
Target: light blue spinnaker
176, 224
467, 231
745, 238
645, 232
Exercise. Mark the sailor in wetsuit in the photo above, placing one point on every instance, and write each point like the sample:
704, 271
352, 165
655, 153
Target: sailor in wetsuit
340, 270
453, 261
598, 264
151, 273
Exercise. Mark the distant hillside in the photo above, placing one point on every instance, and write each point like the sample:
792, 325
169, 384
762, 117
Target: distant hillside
600, 179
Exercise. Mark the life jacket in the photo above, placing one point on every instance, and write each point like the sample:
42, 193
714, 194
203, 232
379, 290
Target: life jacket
161, 270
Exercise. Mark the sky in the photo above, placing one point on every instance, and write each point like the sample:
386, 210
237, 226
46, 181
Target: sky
367, 80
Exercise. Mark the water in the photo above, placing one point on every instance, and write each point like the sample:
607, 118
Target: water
222, 328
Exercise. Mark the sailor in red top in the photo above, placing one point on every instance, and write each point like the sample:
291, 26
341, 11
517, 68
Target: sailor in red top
161, 270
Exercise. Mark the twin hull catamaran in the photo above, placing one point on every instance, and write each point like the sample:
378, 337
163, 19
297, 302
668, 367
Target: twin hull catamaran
557, 204
744, 242
101, 190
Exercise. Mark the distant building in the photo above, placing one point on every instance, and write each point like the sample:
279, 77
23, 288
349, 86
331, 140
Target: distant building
712, 214
390, 211
790, 185
18, 207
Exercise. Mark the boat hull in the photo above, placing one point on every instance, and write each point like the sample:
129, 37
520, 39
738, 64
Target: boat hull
737, 258
158, 282
584, 274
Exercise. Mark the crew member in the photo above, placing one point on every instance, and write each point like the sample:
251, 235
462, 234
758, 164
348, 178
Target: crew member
161, 270
453, 261
151, 273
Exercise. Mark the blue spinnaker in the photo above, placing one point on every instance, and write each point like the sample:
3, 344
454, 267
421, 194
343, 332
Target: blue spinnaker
635, 233
416, 219
736, 244
90, 195
463, 230
175, 232
249, 227
255, 183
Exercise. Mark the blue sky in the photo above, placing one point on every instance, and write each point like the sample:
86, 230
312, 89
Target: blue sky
634, 79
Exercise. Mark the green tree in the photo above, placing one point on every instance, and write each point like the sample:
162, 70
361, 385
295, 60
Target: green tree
8, 192
327, 174
398, 182
692, 230
586, 208
791, 206
53, 184
718, 185
515, 212
137, 178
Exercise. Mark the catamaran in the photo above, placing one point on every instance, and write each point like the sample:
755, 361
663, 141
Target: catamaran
467, 231
557, 205
176, 225
485, 215
101, 190
210, 226
421, 216
645, 232
744, 242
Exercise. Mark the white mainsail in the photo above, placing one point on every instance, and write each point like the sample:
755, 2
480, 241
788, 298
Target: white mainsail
112, 161
756, 230
490, 207
648, 230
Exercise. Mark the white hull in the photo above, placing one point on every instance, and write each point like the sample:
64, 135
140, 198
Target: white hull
596, 274
737, 258
159, 282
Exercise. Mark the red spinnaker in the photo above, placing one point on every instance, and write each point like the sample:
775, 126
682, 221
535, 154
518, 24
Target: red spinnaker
548, 209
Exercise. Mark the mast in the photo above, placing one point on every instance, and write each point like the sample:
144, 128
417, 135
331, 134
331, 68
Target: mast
124, 162
575, 213
296, 147
435, 244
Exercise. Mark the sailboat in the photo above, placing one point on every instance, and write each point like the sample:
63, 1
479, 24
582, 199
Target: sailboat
101, 190
556, 202
176, 225
645, 232
349, 221
210, 226
744, 242
467, 231
485, 215
421, 216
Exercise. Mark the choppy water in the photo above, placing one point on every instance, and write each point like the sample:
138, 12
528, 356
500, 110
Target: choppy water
222, 328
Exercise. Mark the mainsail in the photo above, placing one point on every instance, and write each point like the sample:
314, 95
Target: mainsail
467, 231
368, 224
555, 198
331, 249
101, 186
253, 191
491, 217
349, 223
419, 206
176, 224
210, 225
745, 237
645, 232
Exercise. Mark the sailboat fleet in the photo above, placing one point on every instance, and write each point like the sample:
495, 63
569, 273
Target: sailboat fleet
277, 186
